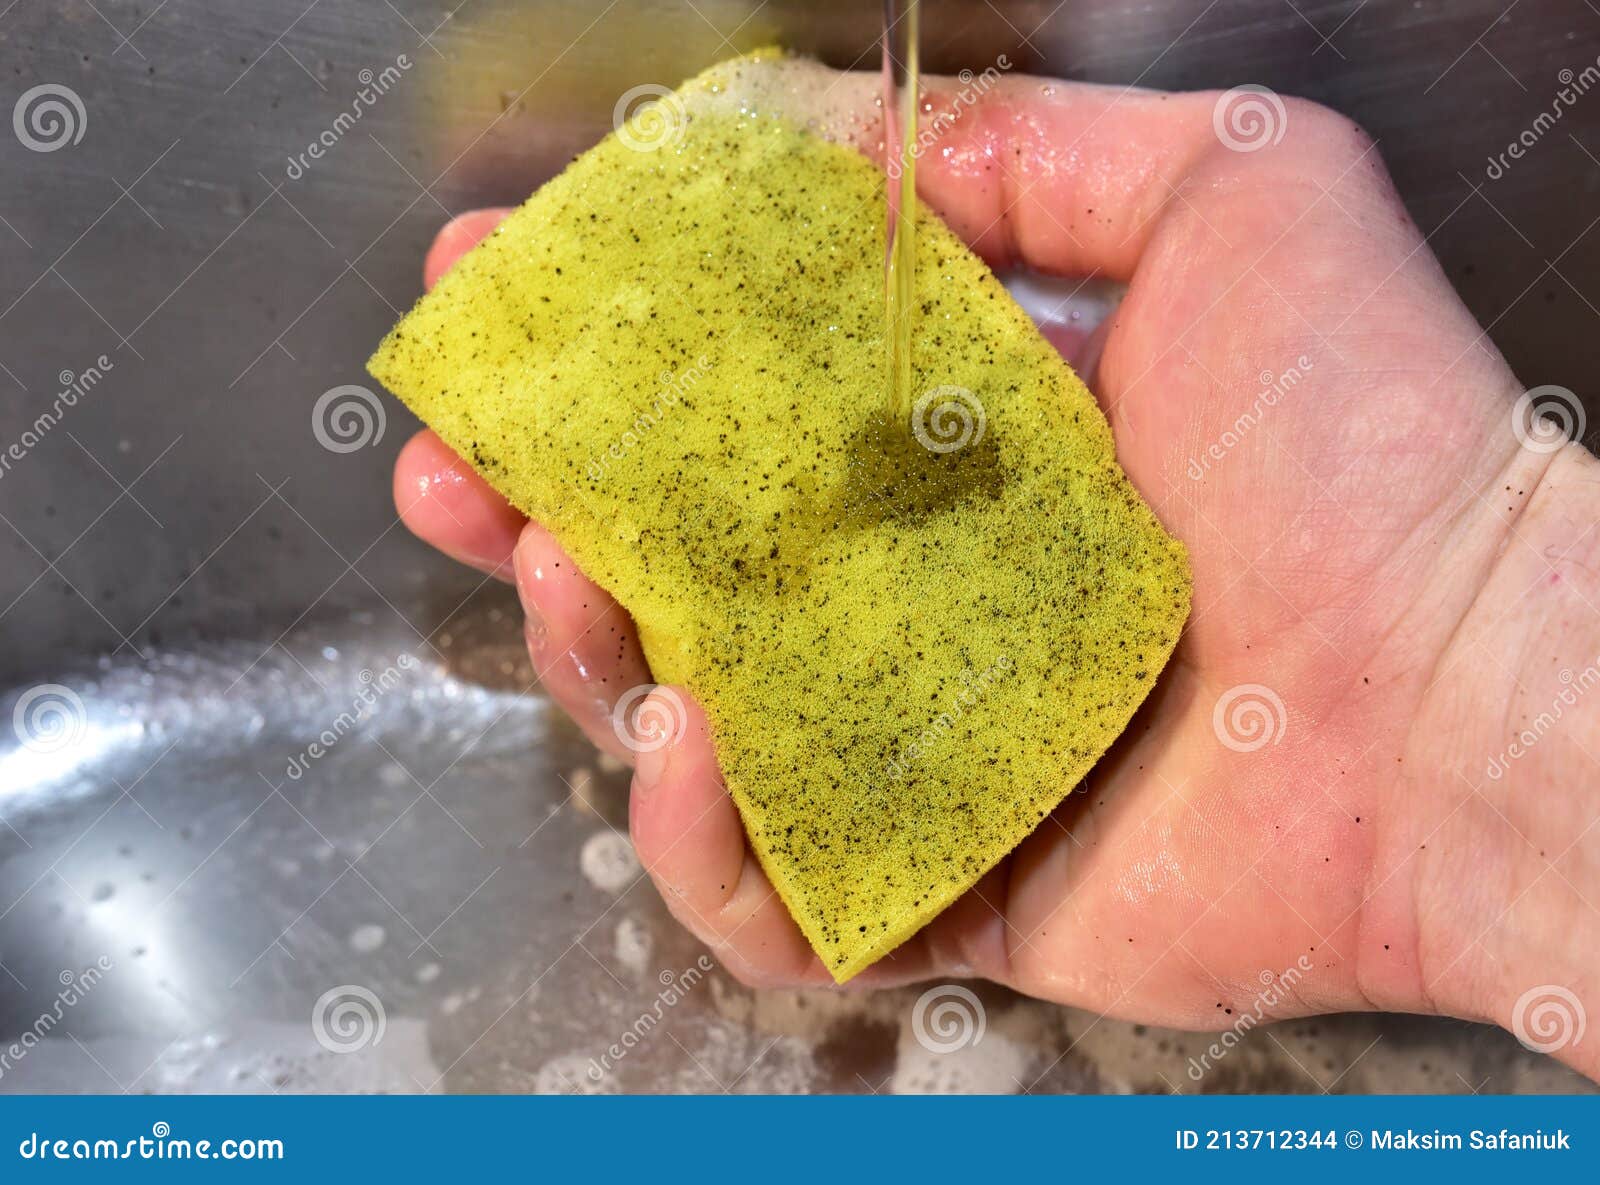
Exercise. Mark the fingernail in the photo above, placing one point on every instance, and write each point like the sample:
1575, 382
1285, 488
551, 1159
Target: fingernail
525, 577
536, 638
447, 476
650, 771
534, 631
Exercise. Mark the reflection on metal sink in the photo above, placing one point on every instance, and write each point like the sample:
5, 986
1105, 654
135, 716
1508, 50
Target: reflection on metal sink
337, 866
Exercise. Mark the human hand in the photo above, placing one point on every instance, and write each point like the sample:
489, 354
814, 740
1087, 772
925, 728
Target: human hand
1363, 528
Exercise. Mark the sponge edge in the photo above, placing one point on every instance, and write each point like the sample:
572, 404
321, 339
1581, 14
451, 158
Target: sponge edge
909, 650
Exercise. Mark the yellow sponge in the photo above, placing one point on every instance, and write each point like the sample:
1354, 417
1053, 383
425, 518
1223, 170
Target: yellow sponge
911, 641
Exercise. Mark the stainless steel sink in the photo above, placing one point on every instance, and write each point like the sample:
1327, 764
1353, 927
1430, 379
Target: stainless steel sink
291, 816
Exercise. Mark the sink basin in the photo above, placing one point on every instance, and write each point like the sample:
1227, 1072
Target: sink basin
357, 862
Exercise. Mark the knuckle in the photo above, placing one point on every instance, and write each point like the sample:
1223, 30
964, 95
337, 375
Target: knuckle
1294, 142
742, 971
1324, 127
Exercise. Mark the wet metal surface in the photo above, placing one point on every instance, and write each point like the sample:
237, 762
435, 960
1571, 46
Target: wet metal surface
452, 859
204, 591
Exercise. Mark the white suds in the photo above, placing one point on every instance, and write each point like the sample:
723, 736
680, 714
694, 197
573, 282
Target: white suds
608, 861
632, 944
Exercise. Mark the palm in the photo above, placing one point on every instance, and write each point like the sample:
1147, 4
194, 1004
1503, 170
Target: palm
1206, 851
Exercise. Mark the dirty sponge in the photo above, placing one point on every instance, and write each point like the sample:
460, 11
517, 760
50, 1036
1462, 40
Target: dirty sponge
911, 639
